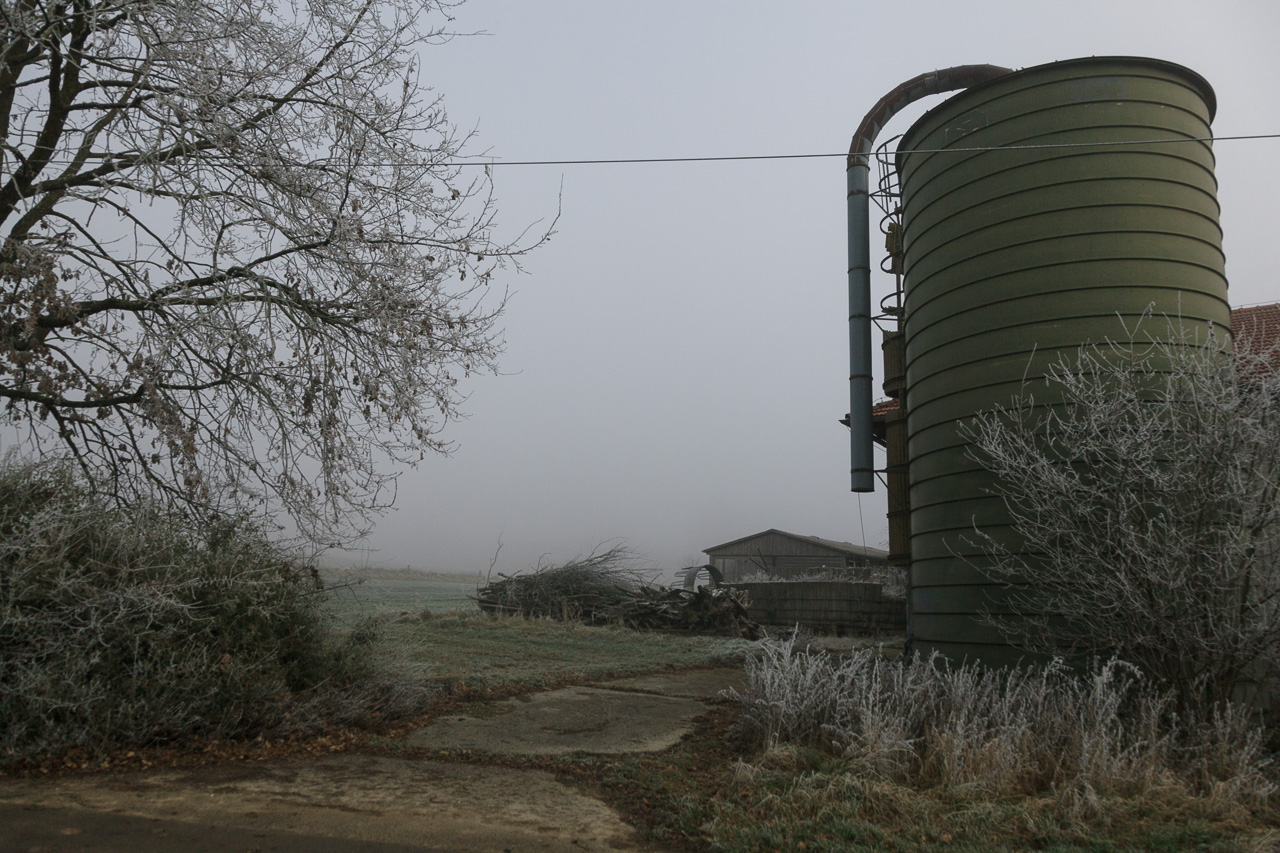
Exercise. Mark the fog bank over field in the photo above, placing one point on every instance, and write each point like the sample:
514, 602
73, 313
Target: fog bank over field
677, 356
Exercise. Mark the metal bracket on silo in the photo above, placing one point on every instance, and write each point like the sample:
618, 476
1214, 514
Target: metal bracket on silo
858, 180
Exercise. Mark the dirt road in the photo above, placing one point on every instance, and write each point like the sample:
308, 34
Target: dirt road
376, 803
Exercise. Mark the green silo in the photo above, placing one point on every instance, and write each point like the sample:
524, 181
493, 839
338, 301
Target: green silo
1040, 210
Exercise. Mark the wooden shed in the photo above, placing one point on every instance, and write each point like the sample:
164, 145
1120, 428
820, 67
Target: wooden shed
783, 555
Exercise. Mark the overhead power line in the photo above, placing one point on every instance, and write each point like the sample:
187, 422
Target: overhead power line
961, 149
485, 160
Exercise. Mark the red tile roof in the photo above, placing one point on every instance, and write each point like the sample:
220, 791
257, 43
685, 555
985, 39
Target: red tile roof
880, 408
1256, 330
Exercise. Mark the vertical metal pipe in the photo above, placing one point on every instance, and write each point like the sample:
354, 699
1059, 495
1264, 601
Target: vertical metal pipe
861, 468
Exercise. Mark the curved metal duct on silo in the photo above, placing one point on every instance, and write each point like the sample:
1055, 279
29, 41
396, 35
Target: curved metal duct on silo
1038, 215
858, 170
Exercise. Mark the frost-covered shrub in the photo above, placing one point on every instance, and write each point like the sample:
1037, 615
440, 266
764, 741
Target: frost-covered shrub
1142, 485
1023, 730
129, 627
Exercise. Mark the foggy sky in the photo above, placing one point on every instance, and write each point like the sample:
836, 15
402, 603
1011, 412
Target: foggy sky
677, 356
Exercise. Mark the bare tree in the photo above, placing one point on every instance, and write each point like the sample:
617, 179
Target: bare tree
239, 265
1145, 511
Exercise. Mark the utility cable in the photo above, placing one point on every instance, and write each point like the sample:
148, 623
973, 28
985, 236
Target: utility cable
956, 150
489, 160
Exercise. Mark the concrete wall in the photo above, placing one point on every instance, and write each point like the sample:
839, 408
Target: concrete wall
735, 568
828, 605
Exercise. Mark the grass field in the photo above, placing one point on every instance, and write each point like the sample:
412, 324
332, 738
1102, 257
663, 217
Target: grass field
430, 627
356, 593
485, 653
702, 796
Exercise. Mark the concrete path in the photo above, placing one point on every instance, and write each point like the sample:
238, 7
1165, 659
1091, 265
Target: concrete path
373, 803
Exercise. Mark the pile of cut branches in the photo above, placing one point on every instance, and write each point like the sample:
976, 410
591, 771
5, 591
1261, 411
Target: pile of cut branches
706, 610
603, 589
575, 590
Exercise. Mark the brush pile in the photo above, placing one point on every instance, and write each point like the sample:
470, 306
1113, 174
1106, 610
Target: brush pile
705, 610
602, 589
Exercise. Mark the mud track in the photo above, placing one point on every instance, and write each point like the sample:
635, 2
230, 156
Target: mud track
379, 802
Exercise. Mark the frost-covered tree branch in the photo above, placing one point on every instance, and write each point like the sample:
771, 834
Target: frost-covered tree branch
1145, 511
238, 267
